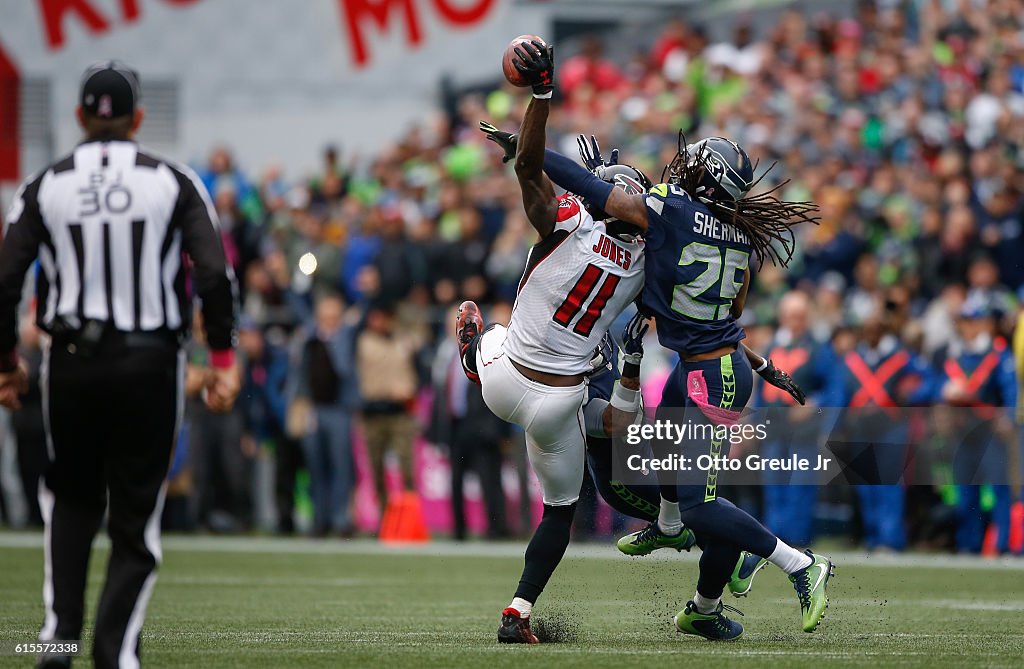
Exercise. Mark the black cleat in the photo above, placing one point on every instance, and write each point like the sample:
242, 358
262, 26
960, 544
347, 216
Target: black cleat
514, 628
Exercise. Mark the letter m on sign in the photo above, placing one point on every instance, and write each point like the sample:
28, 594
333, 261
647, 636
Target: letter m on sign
381, 12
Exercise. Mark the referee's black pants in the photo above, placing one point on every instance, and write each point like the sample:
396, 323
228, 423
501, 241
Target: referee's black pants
111, 424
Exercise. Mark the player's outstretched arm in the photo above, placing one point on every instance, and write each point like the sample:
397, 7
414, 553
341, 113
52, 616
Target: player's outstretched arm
538, 194
775, 376
572, 177
536, 63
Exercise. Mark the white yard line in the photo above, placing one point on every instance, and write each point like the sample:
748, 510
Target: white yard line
442, 548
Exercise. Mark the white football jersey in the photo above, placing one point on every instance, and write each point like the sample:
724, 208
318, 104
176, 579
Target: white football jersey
578, 280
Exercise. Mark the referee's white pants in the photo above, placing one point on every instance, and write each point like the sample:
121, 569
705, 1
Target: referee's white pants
552, 418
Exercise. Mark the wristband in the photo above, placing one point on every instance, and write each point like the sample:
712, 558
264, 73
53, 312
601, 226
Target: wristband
764, 366
625, 399
544, 96
630, 369
222, 359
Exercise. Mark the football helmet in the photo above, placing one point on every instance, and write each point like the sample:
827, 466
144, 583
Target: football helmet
634, 182
626, 177
728, 173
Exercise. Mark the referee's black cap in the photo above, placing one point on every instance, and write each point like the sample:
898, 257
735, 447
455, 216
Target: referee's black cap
110, 89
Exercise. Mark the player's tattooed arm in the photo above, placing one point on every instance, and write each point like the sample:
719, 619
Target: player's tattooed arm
538, 194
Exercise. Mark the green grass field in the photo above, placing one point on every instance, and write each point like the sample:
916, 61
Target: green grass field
295, 603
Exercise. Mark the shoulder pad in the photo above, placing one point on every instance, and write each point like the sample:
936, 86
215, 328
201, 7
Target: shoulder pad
568, 207
662, 194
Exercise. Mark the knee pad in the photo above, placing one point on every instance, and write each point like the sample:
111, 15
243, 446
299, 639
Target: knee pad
563, 512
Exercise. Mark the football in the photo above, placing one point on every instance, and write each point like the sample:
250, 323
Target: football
511, 73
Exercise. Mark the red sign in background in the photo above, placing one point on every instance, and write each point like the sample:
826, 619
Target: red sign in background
361, 20
10, 118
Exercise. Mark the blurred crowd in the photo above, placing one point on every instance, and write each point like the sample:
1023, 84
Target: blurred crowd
905, 122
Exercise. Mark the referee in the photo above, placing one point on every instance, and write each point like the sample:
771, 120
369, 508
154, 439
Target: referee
110, 225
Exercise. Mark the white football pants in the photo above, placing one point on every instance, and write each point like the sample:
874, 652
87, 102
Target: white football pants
552, 418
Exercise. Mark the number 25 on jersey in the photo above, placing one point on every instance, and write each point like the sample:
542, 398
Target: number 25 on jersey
709, 295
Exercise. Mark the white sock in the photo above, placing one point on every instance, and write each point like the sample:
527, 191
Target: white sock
705, 604
524, 607
669, 521
789, 559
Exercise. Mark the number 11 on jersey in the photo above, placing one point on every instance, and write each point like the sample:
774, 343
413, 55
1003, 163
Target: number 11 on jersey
576, 298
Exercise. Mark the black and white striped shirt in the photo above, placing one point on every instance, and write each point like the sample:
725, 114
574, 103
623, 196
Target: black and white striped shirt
110, 224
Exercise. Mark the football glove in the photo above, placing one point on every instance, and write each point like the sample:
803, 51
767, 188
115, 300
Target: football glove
633, 339
536, 62
506, 140
603, 357
782, 380
590, 154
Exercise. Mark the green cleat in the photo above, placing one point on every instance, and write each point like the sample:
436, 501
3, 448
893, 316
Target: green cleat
810, 584
742, 579
651, 538
714, 626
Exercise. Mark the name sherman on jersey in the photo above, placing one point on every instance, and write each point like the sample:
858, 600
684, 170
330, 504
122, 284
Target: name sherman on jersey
577, 281
707, 225
695, 268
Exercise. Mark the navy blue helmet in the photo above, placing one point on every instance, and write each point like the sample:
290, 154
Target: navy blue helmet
728, 172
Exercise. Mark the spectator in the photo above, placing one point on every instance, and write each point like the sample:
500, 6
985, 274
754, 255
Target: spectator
978, 372
324, 382
219, 465
871, 378
398, 265
386, 371
789, 497
589, 68
264, 406
331, 185
475, 439
221, 175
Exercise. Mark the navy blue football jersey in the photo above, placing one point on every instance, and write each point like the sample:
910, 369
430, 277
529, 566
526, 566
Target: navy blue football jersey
695, 268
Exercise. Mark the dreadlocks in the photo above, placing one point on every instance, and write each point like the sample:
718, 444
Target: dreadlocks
766, 220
